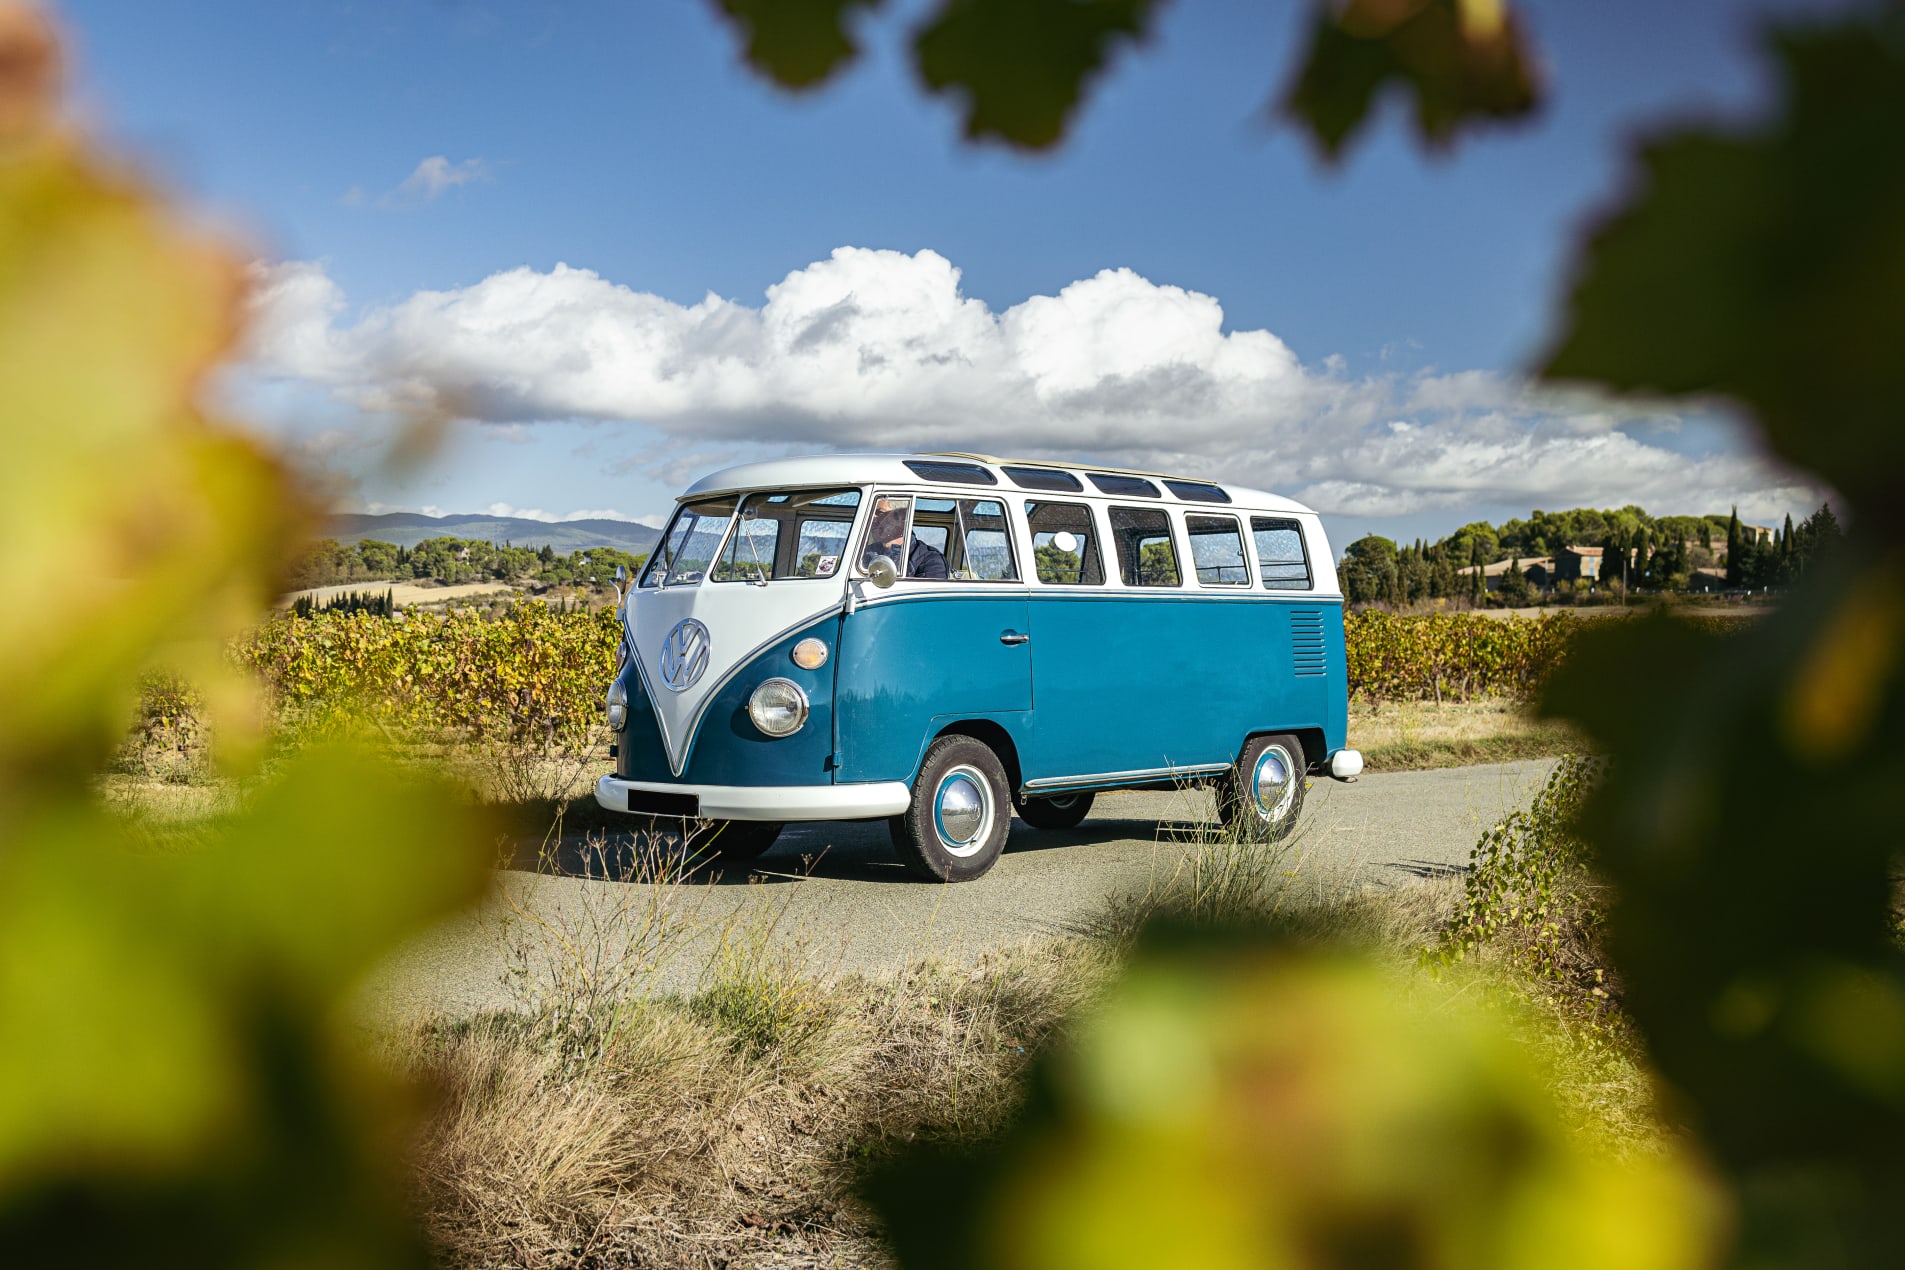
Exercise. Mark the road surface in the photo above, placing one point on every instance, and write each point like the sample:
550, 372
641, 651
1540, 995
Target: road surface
834, 893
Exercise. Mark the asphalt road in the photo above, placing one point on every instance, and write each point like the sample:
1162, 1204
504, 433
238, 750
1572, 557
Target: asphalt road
832, 895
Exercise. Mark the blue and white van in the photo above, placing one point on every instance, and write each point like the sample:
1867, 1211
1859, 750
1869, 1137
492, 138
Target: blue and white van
942, 639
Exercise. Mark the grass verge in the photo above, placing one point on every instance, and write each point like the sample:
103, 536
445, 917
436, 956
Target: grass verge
1415, 736
730, 1126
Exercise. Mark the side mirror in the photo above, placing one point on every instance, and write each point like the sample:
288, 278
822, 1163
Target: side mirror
882, 572
621, 578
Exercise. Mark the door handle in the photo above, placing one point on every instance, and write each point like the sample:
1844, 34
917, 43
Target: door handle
1012, 637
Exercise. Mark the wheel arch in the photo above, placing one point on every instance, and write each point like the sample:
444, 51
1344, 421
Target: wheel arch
1315, 748
993, 735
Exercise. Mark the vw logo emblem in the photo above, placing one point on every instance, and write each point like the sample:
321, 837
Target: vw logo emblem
684, 654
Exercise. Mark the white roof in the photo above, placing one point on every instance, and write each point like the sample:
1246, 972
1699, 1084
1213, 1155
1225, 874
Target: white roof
890, 469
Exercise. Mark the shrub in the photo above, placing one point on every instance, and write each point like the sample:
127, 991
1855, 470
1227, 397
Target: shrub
1531, 897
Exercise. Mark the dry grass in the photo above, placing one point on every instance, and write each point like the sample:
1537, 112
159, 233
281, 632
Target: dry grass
689, 1142
729, 1127
1413, 735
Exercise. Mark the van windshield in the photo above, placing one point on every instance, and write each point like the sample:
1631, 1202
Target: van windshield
688, 547
778, 534
790, 534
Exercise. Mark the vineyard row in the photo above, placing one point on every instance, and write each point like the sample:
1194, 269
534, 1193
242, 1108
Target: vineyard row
536, 673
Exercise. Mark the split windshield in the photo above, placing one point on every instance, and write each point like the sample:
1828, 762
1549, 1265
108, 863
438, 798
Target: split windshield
777, 535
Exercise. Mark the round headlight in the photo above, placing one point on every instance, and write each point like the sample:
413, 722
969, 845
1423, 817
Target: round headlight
778, 707
810, 654
618, 706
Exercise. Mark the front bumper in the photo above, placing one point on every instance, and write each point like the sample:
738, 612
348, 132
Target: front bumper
1346, 764
755, 802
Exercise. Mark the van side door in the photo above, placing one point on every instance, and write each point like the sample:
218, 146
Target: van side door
948, 641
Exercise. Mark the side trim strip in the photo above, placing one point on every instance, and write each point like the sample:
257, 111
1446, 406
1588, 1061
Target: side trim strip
1095, 595
1126, 778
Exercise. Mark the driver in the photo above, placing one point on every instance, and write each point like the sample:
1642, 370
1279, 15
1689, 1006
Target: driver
887, 535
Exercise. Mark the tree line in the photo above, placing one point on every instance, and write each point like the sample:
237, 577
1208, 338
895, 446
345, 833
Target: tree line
1661, 554
384, 605
329, 562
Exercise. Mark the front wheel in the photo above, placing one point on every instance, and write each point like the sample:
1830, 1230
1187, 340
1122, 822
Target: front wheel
1061, 811
955, 827
1259, 799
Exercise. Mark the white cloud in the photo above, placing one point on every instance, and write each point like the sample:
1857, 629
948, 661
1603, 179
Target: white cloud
431, 178
436, 174
881, 350
519, 513
384, 509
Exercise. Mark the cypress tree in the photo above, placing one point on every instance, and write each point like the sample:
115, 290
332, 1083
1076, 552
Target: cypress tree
1735, 567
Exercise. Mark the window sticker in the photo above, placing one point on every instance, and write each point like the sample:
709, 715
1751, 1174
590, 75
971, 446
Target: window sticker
825, 566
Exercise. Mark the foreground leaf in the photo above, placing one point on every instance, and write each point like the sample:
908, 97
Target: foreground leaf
796, 43
1768, 265
1461, 62
1250, 1105
1021, 67
179, 1064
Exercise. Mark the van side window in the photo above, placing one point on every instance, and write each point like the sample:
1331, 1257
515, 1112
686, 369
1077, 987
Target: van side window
891, 533
1217, 550
1281, 559
972, 535
1064, 544
1146, 554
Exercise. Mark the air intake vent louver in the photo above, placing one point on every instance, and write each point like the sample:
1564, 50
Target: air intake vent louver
1306, 641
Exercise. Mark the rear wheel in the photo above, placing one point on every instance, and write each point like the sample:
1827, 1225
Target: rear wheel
734, 840
1060, 811
955, 827
1261, 796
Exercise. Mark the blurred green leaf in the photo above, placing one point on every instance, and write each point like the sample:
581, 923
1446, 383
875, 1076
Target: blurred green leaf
1020, 67
175, 1033
1461, 62
1241, 1104
181, 1082
1767, 264
1748, 834
796, 43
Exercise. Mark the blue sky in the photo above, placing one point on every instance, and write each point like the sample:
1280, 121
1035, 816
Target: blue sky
411, 175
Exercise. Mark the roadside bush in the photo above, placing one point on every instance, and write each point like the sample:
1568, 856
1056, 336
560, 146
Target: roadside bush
1530, 897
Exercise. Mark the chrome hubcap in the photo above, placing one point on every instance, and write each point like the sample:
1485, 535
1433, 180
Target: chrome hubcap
1274, 783
962, 810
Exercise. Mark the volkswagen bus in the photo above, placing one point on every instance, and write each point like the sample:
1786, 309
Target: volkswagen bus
944, 640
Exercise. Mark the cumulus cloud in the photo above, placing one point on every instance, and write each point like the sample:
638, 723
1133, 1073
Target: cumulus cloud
882, 350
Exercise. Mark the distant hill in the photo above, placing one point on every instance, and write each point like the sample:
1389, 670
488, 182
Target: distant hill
407, 529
